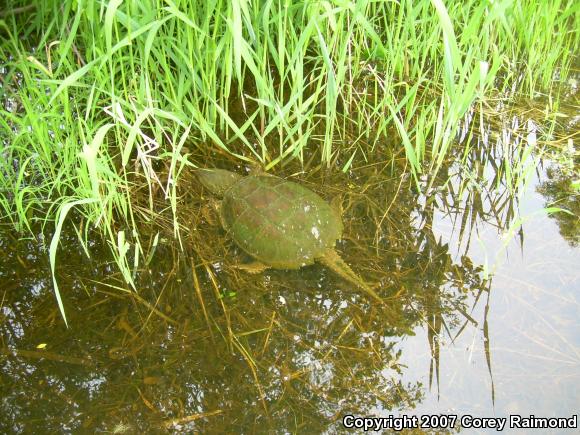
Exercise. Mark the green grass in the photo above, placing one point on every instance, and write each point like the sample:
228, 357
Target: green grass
95, 94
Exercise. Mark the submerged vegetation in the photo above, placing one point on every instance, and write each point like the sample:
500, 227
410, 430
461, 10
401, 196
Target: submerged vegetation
100, 99
287, 353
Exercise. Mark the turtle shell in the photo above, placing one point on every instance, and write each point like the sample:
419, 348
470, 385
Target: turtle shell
282, 224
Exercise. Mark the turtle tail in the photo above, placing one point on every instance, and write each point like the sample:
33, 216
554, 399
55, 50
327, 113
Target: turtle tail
333, 261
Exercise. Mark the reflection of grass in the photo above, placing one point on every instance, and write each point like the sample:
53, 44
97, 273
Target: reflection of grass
304, 345
98, 98
562, 191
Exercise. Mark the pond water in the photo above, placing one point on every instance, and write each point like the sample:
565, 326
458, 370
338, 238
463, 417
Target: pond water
533, 327
481, 320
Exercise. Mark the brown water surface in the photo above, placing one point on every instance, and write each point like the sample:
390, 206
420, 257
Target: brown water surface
481, 319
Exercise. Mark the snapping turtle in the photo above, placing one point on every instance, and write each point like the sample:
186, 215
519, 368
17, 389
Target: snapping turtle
282, 224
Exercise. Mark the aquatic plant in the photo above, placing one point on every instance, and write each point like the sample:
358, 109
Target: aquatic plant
100, 98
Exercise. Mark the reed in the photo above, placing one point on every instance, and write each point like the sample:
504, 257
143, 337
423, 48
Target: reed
97, 95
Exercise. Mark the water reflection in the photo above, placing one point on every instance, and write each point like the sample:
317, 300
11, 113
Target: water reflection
292, 351
206, 346
559, 191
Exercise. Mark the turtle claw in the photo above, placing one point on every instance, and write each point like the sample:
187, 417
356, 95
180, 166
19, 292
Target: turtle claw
254, 267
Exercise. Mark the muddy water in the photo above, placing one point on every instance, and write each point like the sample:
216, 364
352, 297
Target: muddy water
481, 319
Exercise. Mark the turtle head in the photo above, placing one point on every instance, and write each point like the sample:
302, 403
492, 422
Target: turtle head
217, 181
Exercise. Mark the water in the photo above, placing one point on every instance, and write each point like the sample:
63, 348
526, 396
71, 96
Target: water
296, 351
534, 328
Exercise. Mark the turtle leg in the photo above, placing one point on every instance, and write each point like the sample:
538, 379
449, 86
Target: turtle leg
255, 267
333, 261
210, 210
336, 204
